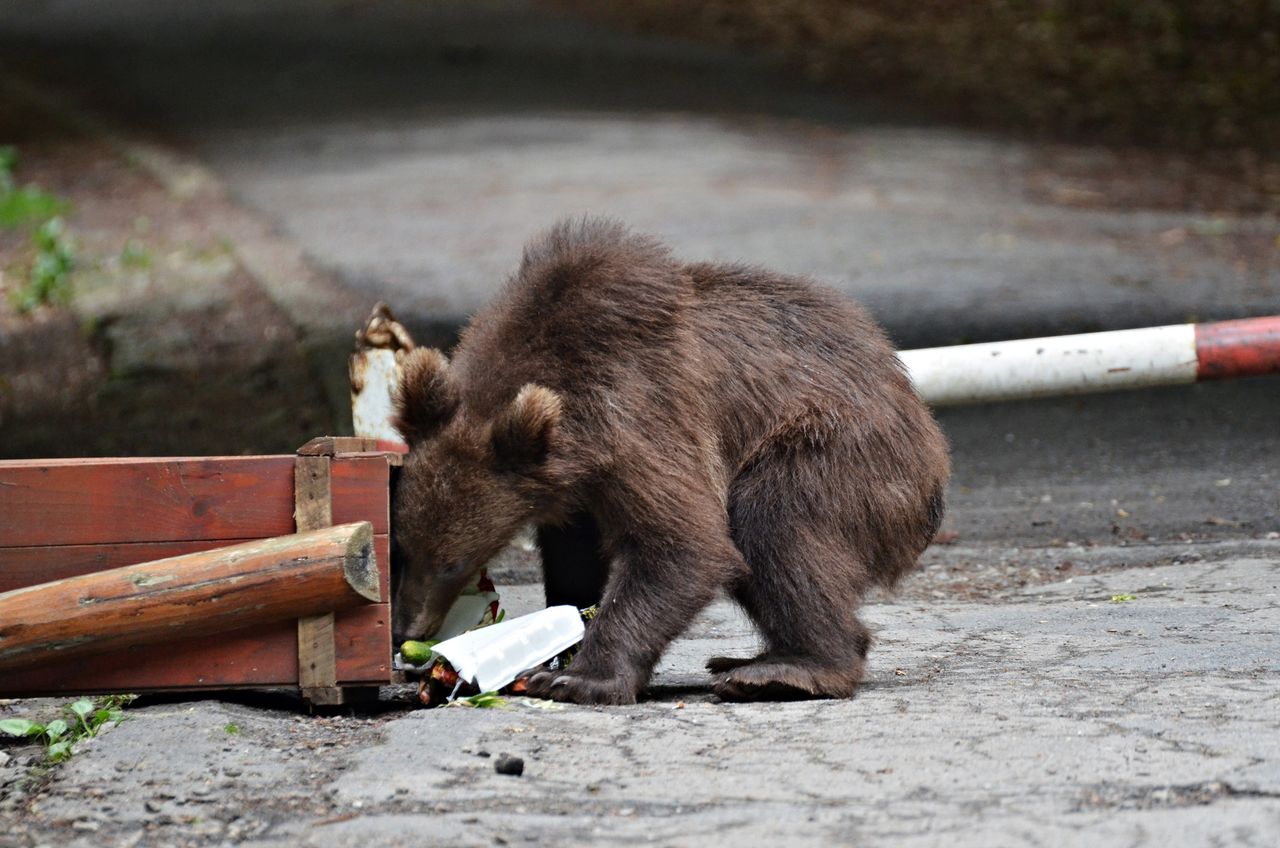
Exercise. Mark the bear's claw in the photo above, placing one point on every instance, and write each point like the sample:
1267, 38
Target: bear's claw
718, 665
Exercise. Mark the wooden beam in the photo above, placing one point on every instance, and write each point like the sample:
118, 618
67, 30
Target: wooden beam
265, 655
194, 595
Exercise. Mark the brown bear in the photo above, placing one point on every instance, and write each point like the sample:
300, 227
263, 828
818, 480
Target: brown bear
672, 430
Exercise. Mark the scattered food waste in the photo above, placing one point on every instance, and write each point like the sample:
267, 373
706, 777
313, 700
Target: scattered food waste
480, 666
417, 653
1120, 599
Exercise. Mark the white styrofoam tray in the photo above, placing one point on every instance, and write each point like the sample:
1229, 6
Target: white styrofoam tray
491, 657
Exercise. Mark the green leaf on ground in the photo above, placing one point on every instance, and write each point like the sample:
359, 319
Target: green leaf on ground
49, 280
59, 751
29, 205
20, 727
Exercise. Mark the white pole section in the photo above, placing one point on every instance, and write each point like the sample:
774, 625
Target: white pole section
1055, 365
375, 374
374, 378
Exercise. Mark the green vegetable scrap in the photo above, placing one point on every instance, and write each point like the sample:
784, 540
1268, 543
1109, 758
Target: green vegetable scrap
417, 653
482, 701
1120, 599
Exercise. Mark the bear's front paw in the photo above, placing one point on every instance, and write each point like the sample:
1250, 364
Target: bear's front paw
578, 686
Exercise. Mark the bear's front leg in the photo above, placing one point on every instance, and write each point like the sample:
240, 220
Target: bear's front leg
660, 579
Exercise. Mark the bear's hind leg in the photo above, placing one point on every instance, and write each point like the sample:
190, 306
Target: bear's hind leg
804, 587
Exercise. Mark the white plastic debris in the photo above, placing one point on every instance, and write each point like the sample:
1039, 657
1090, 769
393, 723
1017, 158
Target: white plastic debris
474, 606
493, 656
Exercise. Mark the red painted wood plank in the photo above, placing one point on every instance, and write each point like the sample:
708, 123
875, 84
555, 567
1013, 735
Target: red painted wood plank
361, 490
362, 637
30, 565
129, 460
362, 644
145, 500
264, 657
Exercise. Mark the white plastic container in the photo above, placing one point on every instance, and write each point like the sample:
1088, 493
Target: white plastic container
493, 656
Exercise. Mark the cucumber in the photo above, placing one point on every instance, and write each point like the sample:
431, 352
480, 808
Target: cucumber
417, 653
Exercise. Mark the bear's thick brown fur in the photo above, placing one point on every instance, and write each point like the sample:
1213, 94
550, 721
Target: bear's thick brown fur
672, 430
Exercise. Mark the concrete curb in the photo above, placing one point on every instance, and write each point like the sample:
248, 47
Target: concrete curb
322, 312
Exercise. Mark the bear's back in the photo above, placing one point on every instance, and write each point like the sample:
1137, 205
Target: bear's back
593, 307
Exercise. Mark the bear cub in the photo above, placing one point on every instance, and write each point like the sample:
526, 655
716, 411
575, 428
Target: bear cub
672, 430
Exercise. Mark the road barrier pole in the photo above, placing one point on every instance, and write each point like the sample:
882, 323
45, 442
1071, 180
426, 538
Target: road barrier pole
1095, 362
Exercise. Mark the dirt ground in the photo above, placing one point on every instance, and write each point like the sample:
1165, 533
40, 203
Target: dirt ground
170, 344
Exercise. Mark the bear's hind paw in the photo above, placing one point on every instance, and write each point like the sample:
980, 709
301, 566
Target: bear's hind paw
775, 680
580, 689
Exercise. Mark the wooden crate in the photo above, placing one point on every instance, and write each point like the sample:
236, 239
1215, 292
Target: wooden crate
64, 517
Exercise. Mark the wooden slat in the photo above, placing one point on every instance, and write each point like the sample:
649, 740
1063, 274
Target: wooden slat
312, 508
362, 638
361, 490
30, 565
334, 445
266, 656
149, 500
312, 503
125, 460
362, 645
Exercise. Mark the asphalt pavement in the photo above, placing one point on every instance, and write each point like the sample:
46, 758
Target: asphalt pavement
1047, 716
408, 150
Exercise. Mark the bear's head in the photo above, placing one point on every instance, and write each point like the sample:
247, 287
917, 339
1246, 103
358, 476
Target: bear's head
469, 483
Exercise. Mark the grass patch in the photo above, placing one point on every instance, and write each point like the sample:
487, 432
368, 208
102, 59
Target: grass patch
20, 207
48, 280
135, 256
23, 206
82, 719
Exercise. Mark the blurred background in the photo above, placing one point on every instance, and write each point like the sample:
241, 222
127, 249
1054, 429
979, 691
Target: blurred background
199, 203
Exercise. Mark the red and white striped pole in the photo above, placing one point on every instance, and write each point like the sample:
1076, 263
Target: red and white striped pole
1095, 362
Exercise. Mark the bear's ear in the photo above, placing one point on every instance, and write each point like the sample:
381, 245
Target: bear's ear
525, 431
428, 396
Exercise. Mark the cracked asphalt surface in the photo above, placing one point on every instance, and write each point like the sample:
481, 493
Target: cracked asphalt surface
1048, 715
408, 149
